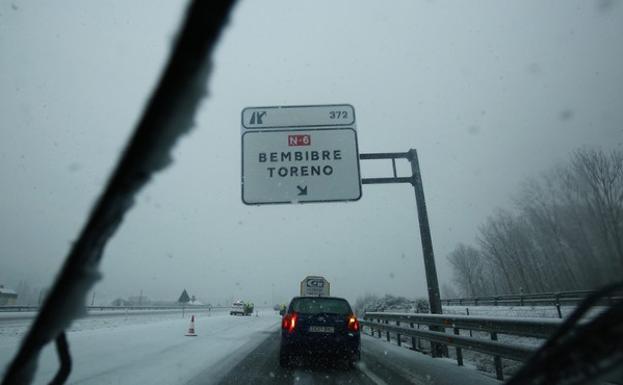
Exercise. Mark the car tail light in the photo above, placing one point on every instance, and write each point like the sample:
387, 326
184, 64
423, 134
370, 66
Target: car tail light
289, 322
353, 323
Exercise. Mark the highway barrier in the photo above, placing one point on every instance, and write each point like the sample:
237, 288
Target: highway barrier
13, 311
19, 308
557, 299
407, 325
563, 298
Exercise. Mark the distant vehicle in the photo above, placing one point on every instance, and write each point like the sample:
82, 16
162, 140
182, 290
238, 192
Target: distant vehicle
320, 327
237, 308
241, 308
248, 308
315, 286
7, 296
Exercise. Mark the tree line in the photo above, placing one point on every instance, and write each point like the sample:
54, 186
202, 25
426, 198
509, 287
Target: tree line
372, 302
564, 232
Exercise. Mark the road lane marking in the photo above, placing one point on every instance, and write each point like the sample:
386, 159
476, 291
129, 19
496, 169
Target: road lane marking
373, 377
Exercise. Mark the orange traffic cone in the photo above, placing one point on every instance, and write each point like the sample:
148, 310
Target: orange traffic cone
191, 328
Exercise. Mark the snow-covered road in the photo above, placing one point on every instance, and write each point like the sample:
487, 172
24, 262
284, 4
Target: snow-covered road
145, 350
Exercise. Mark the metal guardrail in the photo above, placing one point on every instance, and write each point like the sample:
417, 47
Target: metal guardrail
21, 308
552, 298
556, 299
404, 324
526, 327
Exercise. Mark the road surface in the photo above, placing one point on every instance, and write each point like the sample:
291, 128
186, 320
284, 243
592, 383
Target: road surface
381, 363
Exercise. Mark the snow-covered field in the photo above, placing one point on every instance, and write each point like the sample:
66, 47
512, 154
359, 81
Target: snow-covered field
148, 348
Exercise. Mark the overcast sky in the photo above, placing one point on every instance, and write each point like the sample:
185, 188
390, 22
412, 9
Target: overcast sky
488, 92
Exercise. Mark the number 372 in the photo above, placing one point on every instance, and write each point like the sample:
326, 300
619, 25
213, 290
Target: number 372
338, 114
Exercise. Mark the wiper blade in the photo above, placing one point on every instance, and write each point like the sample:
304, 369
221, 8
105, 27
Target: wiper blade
579, 352
168, 115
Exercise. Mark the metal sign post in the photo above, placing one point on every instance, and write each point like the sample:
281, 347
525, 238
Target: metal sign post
415, 180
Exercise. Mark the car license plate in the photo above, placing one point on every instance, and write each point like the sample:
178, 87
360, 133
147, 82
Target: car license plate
321, 329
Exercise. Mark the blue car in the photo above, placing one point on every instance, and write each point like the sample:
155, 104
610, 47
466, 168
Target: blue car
319, 327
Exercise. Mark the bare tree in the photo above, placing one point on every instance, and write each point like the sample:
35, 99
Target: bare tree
600, 179
448, 291
566, 232
467, 267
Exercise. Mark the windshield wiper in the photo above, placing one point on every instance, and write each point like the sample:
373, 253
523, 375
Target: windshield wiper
580, 352
168, 115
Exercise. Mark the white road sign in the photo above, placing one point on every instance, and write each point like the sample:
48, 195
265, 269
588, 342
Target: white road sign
296, 154
315, 286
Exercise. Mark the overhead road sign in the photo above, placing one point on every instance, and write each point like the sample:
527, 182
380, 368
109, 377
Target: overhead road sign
299, 154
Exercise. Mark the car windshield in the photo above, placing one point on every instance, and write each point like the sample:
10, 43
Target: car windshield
320, 305
182, 182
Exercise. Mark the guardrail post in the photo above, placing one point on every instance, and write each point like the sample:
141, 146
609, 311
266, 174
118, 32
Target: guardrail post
467, 312
413, 339
459, 351
497, 360
379, 329
557, 303
388, 336
398, 335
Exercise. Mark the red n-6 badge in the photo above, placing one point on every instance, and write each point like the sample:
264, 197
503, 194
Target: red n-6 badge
299, 140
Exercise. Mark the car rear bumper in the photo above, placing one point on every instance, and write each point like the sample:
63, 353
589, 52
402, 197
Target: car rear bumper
347, 344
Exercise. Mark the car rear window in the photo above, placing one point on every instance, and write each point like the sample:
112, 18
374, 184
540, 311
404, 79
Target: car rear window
320, 305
